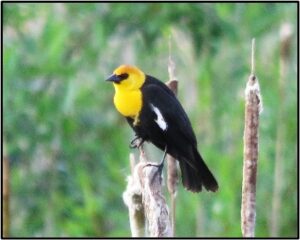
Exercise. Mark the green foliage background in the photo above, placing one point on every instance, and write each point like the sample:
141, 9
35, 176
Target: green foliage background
68, 147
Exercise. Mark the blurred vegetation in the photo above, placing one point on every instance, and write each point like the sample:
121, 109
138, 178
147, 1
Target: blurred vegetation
68, 147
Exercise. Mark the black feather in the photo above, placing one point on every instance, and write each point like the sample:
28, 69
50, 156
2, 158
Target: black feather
179, 136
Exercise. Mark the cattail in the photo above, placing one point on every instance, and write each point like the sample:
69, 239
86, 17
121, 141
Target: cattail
155, 206
145, 201
253, 107
132, 198
172, 181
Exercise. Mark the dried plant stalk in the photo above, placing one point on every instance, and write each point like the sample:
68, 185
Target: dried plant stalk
172, 181
172, 188
253, 107
132, 197
156, 209
145, 201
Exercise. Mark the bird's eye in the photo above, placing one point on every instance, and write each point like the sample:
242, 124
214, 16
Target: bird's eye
123, 76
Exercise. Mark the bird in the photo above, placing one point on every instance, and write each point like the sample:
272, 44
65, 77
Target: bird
156, 115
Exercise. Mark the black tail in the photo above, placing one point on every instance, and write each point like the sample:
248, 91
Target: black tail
195, 173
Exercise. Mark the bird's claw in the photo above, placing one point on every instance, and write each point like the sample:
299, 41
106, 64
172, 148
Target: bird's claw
136, 142
159, 166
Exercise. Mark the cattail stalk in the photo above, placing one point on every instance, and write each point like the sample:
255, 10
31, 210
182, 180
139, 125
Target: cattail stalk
145, 201
155, 206
253, 107
172, 181
132, 197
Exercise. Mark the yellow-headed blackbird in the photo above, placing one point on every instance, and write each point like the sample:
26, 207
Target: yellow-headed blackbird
155, 114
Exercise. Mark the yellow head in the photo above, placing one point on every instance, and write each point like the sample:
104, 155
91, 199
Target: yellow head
127, 78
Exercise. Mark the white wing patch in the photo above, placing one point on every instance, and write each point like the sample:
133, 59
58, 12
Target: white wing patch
160, 119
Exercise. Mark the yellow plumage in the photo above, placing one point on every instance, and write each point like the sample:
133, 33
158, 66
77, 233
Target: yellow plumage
128, 96
128, 103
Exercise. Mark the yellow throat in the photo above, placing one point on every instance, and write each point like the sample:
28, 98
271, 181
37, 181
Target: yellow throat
128, 103
128, 95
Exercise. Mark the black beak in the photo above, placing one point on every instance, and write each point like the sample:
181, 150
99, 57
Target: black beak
114, 78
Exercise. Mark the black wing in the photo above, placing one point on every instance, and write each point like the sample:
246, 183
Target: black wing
164, 122
179, 132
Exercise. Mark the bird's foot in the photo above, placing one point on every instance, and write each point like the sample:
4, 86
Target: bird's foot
159, 166
136, 142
